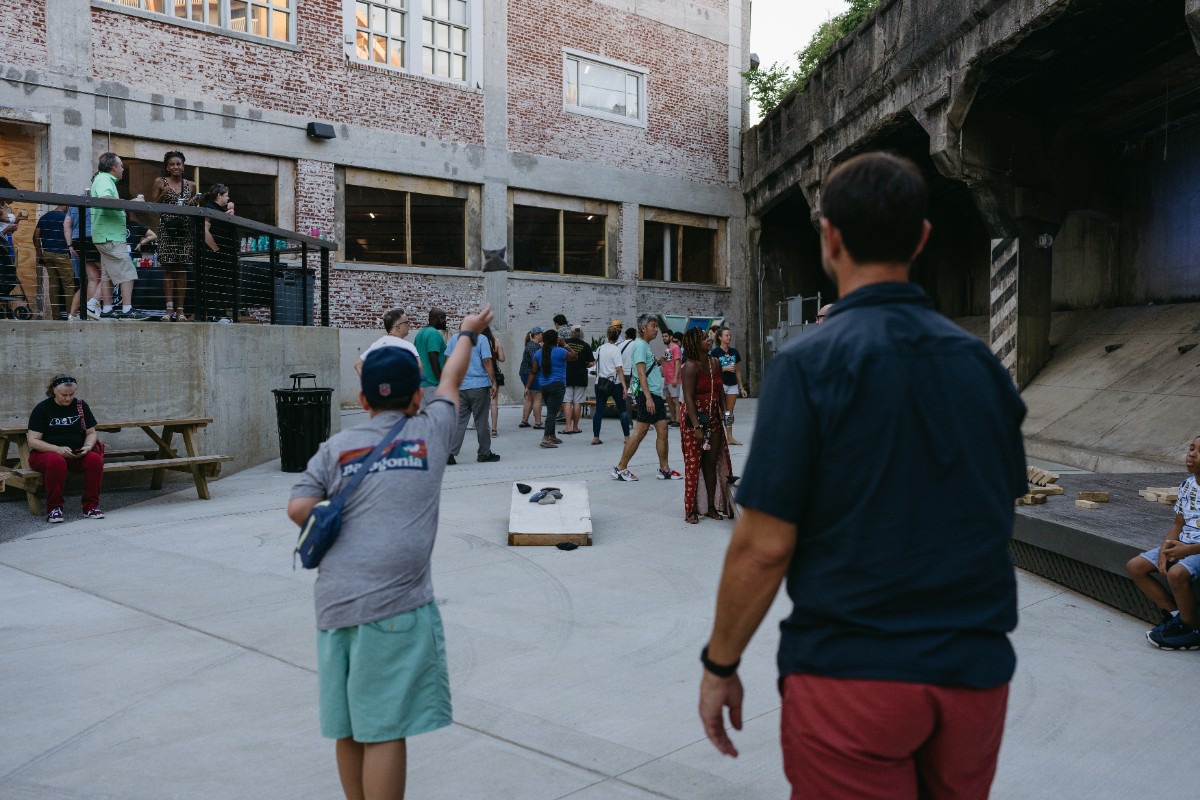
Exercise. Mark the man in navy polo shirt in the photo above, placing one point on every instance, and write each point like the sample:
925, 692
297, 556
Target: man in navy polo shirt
881, 484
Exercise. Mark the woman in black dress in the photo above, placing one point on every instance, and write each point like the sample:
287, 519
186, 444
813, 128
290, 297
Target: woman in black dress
218, 258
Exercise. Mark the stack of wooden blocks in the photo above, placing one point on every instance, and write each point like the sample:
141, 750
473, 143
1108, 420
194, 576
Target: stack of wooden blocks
1169, 496
1043, 487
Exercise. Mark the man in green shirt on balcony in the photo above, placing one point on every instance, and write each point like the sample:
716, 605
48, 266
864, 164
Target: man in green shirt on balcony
108, 235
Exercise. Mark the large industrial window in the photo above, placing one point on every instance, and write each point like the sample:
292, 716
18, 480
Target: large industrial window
681, 248
429, 37
560, 241
604, 88
386, 226
269, 19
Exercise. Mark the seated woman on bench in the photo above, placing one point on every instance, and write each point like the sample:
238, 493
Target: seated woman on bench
62, 436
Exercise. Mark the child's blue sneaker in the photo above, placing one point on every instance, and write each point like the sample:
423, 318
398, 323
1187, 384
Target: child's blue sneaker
1171, 625
1188, 640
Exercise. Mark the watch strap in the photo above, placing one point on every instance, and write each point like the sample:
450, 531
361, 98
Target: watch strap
720, 670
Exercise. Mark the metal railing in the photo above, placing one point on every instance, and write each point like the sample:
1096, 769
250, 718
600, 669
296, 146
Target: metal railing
288, 254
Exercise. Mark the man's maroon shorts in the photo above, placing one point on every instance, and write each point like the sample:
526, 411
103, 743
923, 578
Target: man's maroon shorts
889, 740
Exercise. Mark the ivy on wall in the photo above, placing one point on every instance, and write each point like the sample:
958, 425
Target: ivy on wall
770, 86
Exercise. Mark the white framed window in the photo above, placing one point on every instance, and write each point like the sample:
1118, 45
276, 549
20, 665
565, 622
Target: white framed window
380, 32
267, 19
425, 37
600, 87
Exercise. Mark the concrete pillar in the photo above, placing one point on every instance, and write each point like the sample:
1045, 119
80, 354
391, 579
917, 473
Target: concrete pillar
494, 227
1020, 283
1020, 303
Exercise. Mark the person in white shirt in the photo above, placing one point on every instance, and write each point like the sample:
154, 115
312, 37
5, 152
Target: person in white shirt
395, 322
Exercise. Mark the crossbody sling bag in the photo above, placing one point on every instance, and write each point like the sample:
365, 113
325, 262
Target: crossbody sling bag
324, 522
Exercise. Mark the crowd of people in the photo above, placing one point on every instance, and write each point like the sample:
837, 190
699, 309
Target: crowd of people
90, 260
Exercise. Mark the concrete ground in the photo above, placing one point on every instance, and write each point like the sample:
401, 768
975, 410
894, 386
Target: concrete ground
168, 651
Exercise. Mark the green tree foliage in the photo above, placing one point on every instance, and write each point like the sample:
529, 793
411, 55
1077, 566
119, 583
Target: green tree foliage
769, 87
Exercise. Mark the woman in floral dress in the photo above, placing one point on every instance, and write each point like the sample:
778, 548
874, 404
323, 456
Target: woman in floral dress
706, 465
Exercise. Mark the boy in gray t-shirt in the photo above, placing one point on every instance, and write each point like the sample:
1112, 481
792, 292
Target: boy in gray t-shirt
381, 662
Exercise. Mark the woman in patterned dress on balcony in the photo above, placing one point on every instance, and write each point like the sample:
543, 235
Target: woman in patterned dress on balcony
176, 236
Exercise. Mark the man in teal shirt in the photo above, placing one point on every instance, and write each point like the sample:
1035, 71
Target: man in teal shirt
430, 342
108, 235
646, 389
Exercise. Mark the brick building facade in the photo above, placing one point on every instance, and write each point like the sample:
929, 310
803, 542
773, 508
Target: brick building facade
595, 141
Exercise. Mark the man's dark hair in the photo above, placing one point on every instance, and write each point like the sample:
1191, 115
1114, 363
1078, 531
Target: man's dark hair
107, 162
391, 318
879, 202
631, 333
560, 319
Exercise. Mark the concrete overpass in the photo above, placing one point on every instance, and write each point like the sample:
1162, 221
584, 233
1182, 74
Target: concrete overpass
1061, 139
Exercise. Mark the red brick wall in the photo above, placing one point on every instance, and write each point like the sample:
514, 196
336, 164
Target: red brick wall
315, 188
359, 299
685, 301
23, 32
687, 100
317, 82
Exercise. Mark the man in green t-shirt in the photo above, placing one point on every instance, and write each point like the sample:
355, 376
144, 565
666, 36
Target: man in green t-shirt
431, 343
109, 233
646, 391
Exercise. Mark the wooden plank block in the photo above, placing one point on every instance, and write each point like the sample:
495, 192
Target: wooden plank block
1095, 497
3, 479
1040, 477
1087, 504
1168, 499
1034, 499
1047, 491
567, 520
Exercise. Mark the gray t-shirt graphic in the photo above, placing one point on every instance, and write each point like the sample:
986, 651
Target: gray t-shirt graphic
379, 565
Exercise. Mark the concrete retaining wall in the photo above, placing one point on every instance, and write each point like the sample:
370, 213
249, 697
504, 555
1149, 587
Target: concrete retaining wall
130, 370
1129, 410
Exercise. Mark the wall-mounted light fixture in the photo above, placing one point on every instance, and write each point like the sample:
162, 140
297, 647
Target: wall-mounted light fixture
321, 130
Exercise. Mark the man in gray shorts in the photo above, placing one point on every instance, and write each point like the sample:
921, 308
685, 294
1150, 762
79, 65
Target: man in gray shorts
108, 236
381, 664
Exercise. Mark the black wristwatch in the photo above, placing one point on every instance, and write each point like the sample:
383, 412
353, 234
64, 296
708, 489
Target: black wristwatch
720, 670
472, 335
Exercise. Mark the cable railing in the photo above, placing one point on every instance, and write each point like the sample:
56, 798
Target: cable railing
235, 269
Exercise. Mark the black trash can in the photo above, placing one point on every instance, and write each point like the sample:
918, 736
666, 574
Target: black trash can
304, 418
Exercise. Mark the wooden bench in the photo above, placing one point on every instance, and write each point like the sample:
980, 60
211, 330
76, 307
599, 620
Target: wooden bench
158, 459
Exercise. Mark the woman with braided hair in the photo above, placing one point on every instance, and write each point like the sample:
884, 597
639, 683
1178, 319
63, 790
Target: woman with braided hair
706, 465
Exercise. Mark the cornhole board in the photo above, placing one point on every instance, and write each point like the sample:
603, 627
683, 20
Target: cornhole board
567, 520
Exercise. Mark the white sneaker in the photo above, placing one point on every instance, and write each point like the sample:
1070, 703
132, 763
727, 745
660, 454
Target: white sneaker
73, 318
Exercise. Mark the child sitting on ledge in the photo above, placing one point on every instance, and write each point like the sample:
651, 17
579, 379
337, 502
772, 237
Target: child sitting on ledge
1179, 560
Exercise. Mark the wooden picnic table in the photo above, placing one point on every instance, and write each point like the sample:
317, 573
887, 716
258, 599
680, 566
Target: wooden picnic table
159, 458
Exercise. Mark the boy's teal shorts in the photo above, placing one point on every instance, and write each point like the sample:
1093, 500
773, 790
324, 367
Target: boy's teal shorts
384, 680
